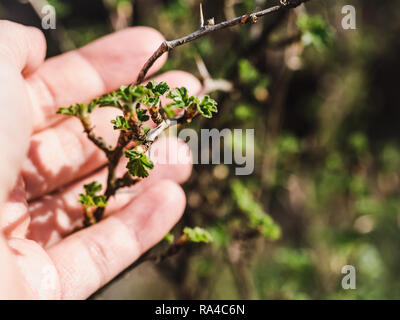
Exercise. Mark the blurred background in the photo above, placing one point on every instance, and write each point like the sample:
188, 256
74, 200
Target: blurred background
324, 105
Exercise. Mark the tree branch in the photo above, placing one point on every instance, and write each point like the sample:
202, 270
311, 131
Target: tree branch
98, 141
114, 157
167, 46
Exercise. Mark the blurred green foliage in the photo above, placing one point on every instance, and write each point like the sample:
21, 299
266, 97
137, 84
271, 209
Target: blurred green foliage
197, 234
315, 31
257, 218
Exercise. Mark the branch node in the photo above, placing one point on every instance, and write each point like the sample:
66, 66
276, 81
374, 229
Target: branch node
156, 115
168, 45
249, 18
291, 3
210, 22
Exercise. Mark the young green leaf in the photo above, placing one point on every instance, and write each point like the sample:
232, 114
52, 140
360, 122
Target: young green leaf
126, 94
257, 218
100, 201
78, 110
138, 164
169, 237
138, 92
150, 100
179, 97
158, 89
92, 188
92, 105
207, 106
71, 111
86, 200
197, 235
142, 116
89, 198
110, 100
120, 123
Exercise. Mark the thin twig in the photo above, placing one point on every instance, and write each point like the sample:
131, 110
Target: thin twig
114, 157
210, 84
201, 16
98, 141
167, 46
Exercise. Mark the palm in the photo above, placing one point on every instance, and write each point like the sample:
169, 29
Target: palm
42, 258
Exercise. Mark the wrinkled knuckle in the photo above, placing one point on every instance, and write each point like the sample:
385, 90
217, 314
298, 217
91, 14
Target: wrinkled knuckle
99, 256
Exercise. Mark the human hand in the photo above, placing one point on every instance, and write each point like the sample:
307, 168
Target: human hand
46, 159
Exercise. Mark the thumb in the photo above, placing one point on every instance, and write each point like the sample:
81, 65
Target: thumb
22, 50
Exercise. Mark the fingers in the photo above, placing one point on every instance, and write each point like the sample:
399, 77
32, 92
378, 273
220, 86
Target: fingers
90, 258
11, 280
37, 271
21, 51
55, 216
62, 154
86, 73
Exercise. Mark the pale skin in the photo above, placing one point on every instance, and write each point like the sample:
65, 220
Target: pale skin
46, 159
